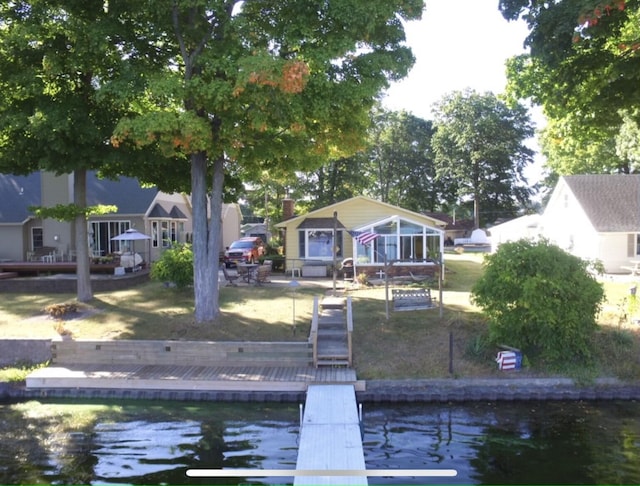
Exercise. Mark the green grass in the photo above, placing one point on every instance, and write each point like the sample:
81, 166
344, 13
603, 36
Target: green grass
409, 345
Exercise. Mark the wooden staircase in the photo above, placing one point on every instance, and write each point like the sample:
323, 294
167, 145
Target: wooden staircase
331, 332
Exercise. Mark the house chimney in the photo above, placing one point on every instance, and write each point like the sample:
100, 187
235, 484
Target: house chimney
287, 209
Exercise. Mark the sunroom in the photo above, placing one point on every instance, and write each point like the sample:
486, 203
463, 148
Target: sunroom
397, 246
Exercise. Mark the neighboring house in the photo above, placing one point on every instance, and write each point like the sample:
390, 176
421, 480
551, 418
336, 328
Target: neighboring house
231, 224
166, 218
596, 217
412, 238
527, 226
455, 228
256, 229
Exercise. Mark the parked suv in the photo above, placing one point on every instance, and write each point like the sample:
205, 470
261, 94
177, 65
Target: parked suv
244, 250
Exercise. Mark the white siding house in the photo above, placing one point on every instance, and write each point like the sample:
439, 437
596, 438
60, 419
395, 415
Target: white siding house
596, 217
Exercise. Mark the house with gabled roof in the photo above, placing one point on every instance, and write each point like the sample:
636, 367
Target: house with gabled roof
371, 233
166, 218
596, 217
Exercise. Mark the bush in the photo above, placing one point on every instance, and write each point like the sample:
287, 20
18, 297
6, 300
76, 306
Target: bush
541, 299
175, 265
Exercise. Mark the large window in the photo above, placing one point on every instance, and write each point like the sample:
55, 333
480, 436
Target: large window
399, 239
164, 233
100, 234
319, 244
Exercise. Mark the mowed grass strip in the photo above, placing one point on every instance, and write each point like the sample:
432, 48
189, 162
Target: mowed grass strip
412, 344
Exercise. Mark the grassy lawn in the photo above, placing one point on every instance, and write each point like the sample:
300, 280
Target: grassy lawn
409, 345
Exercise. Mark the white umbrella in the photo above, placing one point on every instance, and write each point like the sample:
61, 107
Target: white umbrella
131, 235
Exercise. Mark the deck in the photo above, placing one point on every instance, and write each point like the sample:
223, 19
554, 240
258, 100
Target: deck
189, 378
37, 268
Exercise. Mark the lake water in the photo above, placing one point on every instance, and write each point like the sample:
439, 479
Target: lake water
60, 442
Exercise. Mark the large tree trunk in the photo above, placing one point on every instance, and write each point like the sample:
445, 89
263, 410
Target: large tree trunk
83, 269
206, 237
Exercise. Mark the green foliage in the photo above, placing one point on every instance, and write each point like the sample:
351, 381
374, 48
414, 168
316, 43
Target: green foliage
175, 265
583, 70
479, 146
540, 299
68, 212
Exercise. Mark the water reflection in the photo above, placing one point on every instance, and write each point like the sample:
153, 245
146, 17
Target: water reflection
526, 443
155, 442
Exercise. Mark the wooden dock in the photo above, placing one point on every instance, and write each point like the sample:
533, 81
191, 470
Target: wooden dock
330, 438
189, 378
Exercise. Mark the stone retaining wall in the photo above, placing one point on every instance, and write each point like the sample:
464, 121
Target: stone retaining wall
182, 353
14, 351
377, 392
68, 284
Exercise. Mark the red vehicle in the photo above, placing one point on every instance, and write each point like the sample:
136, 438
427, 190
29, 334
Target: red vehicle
244, 250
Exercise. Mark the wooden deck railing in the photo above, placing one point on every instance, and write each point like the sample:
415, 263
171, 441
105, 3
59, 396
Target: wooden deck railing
350, 330
313, 333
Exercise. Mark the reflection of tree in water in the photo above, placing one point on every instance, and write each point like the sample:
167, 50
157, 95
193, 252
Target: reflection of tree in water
37, 448
525, 446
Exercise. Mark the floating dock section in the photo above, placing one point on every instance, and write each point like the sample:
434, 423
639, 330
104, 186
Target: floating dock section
330, 438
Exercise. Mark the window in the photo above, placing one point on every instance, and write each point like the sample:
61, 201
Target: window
100, 234
37, 240
399, 240
164, 233
319, 244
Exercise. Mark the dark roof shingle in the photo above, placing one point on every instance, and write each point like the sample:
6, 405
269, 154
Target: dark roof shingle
611, 201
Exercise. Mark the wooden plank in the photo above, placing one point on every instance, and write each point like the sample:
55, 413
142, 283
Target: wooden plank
219, 378
330, 437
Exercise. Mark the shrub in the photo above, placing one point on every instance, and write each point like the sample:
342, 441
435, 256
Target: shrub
541, 299
58, 311
175, 265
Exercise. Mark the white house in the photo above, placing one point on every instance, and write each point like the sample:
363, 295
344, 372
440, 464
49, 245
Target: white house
523, 227
596, 217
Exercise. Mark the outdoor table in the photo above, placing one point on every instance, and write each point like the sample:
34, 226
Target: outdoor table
252, 271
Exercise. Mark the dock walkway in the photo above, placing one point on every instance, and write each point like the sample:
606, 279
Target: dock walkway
330, 438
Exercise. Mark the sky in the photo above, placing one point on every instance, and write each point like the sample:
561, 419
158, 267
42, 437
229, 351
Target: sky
458, 44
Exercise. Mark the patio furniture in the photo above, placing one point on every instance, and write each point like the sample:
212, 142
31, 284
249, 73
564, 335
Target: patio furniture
247, 271
231, 279
263, 274
634, 268
412, 299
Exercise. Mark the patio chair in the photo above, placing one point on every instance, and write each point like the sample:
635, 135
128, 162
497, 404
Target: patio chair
264, 272
231, 279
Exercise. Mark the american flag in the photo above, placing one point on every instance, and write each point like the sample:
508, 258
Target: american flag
363, 237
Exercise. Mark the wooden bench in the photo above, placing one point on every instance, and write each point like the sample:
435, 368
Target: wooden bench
412, 299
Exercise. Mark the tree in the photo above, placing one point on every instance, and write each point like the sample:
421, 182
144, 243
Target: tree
261, 85
480, 143
62, 77
401, 163
334, 181
541, 299
583, 70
